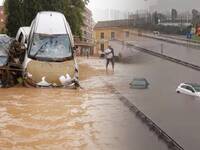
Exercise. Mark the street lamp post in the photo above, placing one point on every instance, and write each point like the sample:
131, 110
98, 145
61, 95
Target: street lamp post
147, 7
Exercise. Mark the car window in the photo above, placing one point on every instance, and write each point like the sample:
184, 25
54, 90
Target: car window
20, 37
139, 82
190, 88
196, 87
26, 41
184, 86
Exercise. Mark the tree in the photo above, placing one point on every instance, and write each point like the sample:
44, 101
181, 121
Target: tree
174, 15
22, 12
155, 18
195, 17
162, 17
13, 17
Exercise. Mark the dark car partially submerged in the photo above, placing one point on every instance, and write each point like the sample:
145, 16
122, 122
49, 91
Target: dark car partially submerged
139, 83
44, 56
4, 45
4, 57
10, 55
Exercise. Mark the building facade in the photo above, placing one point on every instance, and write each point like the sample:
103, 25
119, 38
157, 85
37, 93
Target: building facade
85, 45
105, 31
2, 19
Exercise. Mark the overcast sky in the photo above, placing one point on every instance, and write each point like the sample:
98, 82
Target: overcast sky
142, 4
123, 5
98, 6
133, 5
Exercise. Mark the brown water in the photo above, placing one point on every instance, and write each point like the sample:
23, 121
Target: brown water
90, 118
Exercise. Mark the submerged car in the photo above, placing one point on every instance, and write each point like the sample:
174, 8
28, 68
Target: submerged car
5, 41
43, 54
23, 35
191, 89
49, 59
139, 83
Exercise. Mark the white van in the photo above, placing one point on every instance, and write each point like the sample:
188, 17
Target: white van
50, 60
22, 35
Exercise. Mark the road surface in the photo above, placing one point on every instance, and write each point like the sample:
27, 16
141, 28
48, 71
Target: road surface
92, 118
187, 54
176, 114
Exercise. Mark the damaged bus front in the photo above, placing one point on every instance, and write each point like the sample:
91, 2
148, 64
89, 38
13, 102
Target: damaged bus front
49, 60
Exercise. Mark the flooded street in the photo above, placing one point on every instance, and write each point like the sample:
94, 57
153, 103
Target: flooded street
99, 75
93, 117
88, 118
178, 51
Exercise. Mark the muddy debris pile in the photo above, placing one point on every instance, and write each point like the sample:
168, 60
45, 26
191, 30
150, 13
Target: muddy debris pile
12, 54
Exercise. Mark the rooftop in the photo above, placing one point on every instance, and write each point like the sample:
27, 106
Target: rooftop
115, 23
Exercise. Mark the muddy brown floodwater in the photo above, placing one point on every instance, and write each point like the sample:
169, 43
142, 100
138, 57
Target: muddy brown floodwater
90, 118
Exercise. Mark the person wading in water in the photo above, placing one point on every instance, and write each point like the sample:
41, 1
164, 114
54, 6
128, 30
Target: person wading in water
109, 54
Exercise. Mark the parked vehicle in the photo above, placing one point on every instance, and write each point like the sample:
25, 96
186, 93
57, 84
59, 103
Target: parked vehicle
44, 52
5, 41
23, 35
192, 89
49, 60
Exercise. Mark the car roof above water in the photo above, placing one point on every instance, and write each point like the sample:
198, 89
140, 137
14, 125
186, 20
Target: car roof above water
53, 23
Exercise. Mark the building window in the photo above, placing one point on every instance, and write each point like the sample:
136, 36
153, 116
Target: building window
112, 35
102, 47
102, 35
127, 34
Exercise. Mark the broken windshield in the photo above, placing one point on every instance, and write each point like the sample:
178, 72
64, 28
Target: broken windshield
54, 47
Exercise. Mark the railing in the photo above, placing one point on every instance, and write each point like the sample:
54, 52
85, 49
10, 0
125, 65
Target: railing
181, 62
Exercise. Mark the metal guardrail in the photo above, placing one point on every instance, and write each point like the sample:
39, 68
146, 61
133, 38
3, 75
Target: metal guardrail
171, 143
189, 65
186, 43
181, 39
